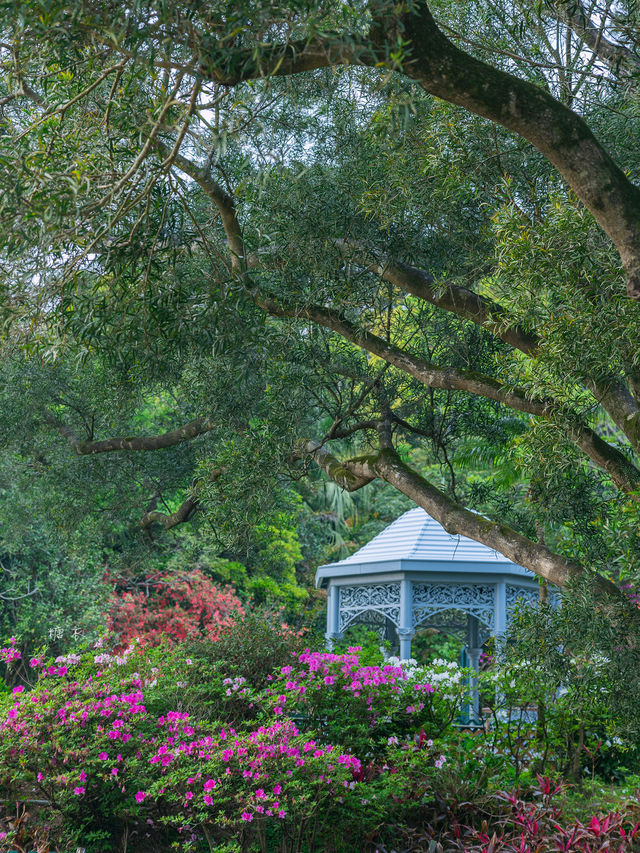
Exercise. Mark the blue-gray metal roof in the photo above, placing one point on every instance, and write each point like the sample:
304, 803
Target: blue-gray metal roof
418, 543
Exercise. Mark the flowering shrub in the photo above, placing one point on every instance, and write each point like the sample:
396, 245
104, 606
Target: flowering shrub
173, 606
98, 738
320, 754
365, 705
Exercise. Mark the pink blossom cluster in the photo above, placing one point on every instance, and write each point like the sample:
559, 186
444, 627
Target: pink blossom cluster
78, 736
257, 768
318, 672
235, 685
10, 654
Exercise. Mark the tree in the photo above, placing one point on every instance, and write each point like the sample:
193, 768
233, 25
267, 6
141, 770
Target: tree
358, 256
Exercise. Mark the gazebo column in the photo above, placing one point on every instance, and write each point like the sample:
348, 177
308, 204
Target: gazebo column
405, 628
333, 615
500, 627
474, 650
500, 613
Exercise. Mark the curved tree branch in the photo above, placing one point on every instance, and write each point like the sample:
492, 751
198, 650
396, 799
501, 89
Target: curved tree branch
623, 473
151, 442
446, 71
386, 465
168, 520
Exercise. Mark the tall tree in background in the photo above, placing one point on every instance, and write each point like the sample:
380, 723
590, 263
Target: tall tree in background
248, 235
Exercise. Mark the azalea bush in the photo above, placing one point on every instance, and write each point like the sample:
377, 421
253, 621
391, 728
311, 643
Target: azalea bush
173, 605
132, 742
177, 747
365, 705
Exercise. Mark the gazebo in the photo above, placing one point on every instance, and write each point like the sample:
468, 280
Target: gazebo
416, 575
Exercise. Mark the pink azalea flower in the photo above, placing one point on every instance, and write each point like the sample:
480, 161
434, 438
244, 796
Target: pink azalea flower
78, 791
103, 756
208, 800
140, 796
247, 816
18, 689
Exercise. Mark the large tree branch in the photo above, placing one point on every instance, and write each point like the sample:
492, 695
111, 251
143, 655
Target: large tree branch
285, 59
622, 471
445, 378
148, 442
611, 392
448, 72
386, 465
450, 297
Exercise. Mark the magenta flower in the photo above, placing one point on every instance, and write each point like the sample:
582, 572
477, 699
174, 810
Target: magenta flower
277, 789
140, 796
103, 756
209, 785
78, 791
208, 799
247, 816
18, 689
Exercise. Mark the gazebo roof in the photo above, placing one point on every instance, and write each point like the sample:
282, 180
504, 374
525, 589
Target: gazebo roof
415, 542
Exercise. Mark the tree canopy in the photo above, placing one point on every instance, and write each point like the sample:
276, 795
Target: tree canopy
246, 243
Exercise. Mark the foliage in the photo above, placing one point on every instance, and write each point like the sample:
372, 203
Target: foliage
539, 825
172, 606
560, 689
258, 643
147, 315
